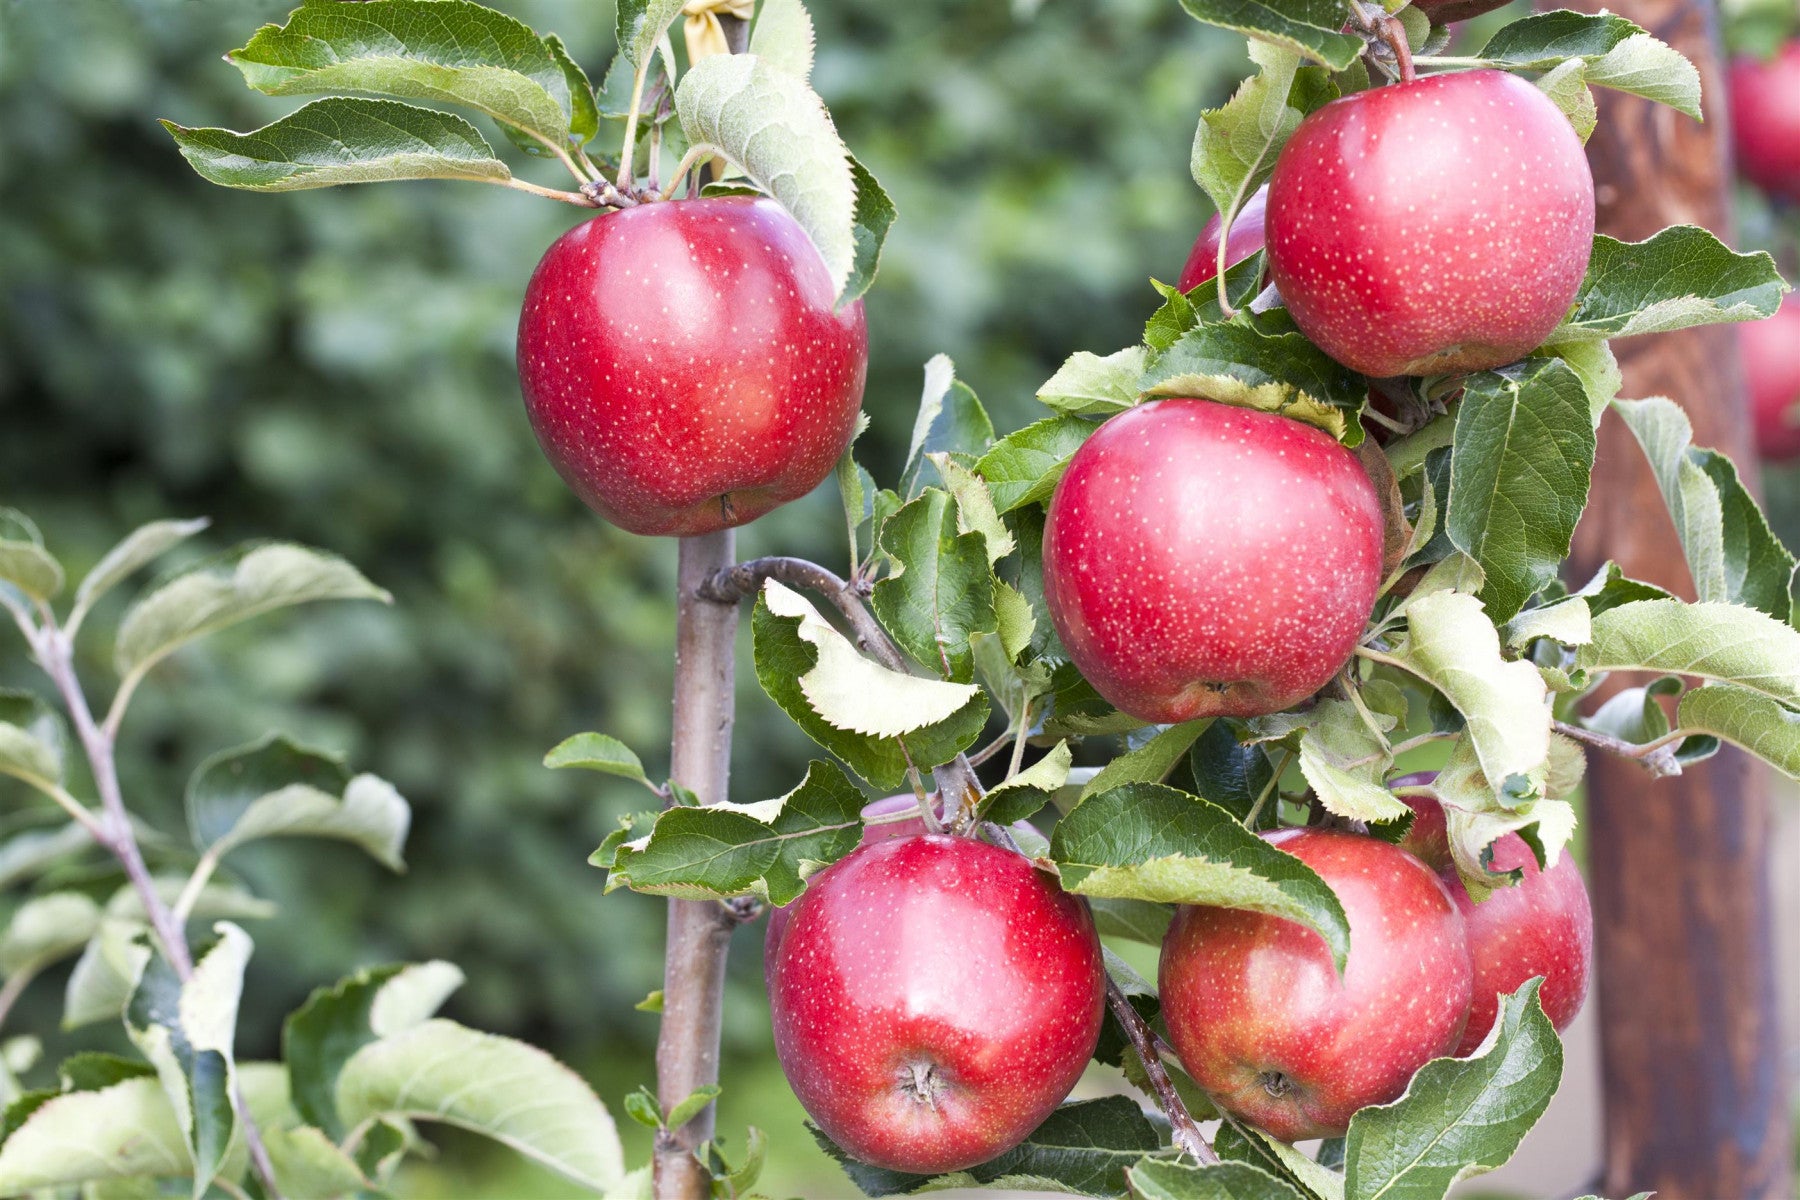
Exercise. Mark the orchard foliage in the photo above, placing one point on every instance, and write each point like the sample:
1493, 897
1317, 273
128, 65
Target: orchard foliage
1475, 642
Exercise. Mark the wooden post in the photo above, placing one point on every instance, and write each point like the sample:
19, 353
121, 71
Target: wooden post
1696, 1104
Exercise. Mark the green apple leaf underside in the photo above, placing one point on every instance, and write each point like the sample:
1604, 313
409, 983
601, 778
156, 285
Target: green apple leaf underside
1677, 279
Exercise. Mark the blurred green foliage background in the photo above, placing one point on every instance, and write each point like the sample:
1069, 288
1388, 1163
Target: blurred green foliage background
336, 367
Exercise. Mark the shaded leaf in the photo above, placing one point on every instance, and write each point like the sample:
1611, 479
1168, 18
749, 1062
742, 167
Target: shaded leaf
1312, 27
1681, 277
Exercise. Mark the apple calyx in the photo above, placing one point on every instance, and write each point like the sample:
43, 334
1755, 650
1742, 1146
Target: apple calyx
921, 1082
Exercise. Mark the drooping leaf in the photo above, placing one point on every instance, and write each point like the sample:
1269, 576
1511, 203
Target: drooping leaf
1084, 1146
1312, 27
1232, 775
336, 1021
874, 216
773, 127
140, 548
1758, 724
1344, 760
975, 508
1681, 277
1725, 643
1019, 797
339, 140
1310, 1177
1519, 474
1236, 145
499, 1088
941, 589
766, 849
1144, 841
125, 1131
213, 597
1459, 1116
1024, 466
951, 420
1637, 715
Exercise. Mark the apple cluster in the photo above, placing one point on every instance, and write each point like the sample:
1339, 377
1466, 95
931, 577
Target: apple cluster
1765, 114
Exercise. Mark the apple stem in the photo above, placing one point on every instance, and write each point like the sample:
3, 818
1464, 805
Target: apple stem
1183, 1130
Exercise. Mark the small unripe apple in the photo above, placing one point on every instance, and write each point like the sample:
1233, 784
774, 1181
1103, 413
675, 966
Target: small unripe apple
682, 365
1431, 227
933, 999
1442, 12
1264, 1024
1542, 926
1202, 560
1246, 238
1771, 351
1765, 121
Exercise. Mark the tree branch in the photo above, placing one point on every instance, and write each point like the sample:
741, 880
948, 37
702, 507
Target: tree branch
1185, 1132
1658, 757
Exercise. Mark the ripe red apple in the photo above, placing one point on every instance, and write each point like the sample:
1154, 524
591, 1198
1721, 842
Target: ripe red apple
1442, 12
1262, 1021
1246, 239
1765, 119
1202, 560
682, 365
1543, 926
1431, 227
1771, 352
933, 999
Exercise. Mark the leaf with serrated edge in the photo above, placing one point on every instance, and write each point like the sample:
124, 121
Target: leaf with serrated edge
1235, 146
1726, 643
126, 1131
1264, 367
1453, 646
1150, 762
1569, 622
493, 1086
1250, 1144
208, 599
939, 594
441, 51
1030, 788
341, 140
874, 216
775, 129
640, 24
975, 511
1681, 277
950, 420
783, 37
1756, 723
1458, 1117
1169, 1179
1344, 761
599, 752
1025, 465
1313, 27
141, 547
764, 849
1144, 841
1091, 385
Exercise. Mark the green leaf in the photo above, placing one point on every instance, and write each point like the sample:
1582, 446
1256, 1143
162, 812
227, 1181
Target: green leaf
24, 563
307, 1163
859, 710
941, 591
46, 929
640, 24
1168, 1179
766, 849
1134, 920
1519, 474
1612, 52
1235, 146
1144, 841
1025, 466
140, 548
1566, 86
1232, 775
598, 752
690, 1108
1085, 1146
1345, 762
873, 218
1312, 27
1731, 552
337, 1021
218, 595
186, 1030
1087, 385
31, 738
1264, 364
341, 140
783, 37
27, 855
1725, 643
494, 1086
1459, 1117
102, 979
951, 421
278, 788
1743, 718
1453, 646
441, 51
1599, 371
1310, 1177
975, 511
1019, 797
584, 108
773, 127
1681, 277
1149, 762
1567, 622
124, 1131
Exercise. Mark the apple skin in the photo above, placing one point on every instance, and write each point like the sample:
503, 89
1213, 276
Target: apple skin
1771, 351
1261, 1021
1765, 120
682, 366
1431, 227
939, 961
1542, 926
1246, 239
1442, 12
1202, 560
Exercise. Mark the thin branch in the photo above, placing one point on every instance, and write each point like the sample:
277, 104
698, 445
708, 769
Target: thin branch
1658, 757
579, 199
196, 884
1186, 1134
81, 813
991, 749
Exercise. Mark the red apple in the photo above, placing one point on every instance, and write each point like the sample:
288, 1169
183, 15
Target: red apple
1431, 227
1542, 926
1771, 352
1246, 239
1442, 12
934, 998
682, 365
1202, 560
1265, 1025
1765, 119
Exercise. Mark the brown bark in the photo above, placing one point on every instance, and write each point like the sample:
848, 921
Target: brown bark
1695, 1097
